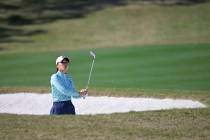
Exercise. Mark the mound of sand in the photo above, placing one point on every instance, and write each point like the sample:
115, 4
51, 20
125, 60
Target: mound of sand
40, 104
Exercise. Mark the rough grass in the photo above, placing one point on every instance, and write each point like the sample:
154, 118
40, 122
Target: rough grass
182, 124
187, 124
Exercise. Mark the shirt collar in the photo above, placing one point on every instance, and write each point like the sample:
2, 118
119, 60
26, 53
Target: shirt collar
60, 73
63, 74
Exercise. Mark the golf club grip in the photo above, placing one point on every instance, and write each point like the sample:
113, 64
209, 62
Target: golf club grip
86, 94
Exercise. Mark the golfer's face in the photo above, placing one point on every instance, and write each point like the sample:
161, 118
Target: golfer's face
63, 66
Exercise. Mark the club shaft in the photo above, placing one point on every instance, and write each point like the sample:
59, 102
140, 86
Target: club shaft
91, 69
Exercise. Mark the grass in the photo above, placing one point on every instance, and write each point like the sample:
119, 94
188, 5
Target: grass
182, 124
150, 67
158, 125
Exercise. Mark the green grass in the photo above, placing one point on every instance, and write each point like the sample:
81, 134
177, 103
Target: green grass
150, 67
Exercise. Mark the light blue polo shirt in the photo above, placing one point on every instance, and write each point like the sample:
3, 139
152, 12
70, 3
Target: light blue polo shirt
62, 87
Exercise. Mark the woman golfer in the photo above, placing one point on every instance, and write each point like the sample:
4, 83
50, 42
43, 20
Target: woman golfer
63, 89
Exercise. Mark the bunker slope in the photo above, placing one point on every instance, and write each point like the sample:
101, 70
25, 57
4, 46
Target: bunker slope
40, 104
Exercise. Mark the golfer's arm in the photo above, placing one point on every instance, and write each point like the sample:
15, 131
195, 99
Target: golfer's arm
76, 93
62, 89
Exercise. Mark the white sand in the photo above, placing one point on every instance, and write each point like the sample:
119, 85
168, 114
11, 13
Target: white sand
40, 104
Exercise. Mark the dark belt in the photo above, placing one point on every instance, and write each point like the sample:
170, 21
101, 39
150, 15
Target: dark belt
68, 101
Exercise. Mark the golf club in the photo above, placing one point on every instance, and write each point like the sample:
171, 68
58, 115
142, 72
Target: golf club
93, 54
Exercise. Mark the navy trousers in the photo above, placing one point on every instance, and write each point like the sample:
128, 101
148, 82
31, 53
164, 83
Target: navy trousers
62, 108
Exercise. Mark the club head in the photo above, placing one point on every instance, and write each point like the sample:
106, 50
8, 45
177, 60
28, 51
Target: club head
93, 54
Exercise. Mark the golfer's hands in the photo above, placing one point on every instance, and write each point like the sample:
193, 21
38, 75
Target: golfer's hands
83, 92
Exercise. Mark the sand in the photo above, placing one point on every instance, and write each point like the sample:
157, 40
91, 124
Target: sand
40, 104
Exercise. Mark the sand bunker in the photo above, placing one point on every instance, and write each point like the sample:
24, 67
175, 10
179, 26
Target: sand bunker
40, 104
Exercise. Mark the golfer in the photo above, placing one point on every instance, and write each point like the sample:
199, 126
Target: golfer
63, 89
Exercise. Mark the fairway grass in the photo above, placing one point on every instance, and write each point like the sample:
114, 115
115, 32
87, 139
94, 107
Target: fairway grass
176, 67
